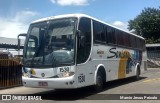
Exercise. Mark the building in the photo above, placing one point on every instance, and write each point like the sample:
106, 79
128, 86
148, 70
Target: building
153, 50
10, 45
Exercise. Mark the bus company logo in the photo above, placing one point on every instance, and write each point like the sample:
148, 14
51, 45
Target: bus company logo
43, 75
6, 97
119, 54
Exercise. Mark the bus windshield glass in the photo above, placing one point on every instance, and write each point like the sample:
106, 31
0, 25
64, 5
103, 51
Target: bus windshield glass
50, 43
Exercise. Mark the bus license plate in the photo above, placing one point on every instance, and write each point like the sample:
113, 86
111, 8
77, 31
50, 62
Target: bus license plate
43, 84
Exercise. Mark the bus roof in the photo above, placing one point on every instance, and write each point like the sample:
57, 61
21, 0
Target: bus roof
81, 15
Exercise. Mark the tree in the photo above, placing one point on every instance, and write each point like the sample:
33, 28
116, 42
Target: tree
147, 24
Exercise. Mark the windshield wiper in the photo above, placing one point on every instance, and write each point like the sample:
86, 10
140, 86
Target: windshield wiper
54, 61
65, 63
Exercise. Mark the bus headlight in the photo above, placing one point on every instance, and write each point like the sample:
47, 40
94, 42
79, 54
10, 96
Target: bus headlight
65, 74
26, 72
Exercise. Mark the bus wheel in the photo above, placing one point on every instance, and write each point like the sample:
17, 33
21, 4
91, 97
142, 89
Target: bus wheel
99, 82
137, 73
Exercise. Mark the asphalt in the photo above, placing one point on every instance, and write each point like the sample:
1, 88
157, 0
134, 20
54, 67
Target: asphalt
149, 84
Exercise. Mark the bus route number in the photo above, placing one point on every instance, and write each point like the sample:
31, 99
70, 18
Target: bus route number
81, 78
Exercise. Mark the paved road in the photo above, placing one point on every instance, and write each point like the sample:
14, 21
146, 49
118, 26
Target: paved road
148, 84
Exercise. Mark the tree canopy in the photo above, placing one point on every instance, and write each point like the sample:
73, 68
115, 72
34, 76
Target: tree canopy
147, 24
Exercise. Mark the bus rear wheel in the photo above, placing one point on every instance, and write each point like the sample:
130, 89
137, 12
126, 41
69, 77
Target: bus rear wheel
137, 73
99, 82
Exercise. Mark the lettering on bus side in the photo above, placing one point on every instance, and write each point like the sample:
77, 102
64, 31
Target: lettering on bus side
119, 54
81, 78
112, 52
100, 52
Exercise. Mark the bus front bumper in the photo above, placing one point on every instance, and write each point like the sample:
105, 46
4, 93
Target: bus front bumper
56, 83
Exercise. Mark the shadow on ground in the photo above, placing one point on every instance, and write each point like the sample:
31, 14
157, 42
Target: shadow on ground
82, 93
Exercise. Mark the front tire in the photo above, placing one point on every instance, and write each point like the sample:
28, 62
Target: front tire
99, 82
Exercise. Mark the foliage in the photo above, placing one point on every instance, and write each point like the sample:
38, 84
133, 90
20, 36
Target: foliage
147, 24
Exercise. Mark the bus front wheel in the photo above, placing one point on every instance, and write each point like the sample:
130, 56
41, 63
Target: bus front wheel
99, 82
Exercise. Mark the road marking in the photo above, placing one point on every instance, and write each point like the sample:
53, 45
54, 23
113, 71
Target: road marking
151, 80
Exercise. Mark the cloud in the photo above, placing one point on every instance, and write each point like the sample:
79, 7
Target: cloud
24, 16
12, 26
71, 2
120, 24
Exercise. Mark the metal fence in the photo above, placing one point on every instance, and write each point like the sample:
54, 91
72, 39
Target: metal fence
10, 71
153, 54
153, 58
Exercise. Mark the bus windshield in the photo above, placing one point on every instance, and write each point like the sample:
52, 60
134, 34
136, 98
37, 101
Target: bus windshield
50, 43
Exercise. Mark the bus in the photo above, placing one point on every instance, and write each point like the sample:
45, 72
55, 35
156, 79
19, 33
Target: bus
77, 50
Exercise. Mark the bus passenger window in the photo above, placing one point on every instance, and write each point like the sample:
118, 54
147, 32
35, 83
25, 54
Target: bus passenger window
98, 32
111, 35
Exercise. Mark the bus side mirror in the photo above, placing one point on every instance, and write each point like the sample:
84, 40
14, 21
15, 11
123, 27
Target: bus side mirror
19, 41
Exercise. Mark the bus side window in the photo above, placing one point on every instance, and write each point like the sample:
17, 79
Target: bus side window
99, 33
133, 42
111, 38
83, 50
127, 40
106, 36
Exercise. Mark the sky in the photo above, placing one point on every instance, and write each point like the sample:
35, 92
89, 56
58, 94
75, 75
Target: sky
16, 15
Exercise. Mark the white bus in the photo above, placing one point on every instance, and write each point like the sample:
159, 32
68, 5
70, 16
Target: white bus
77, 50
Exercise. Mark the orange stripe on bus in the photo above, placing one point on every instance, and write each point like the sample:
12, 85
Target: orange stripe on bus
122, 68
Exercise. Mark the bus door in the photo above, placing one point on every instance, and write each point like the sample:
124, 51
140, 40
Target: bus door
84, 41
